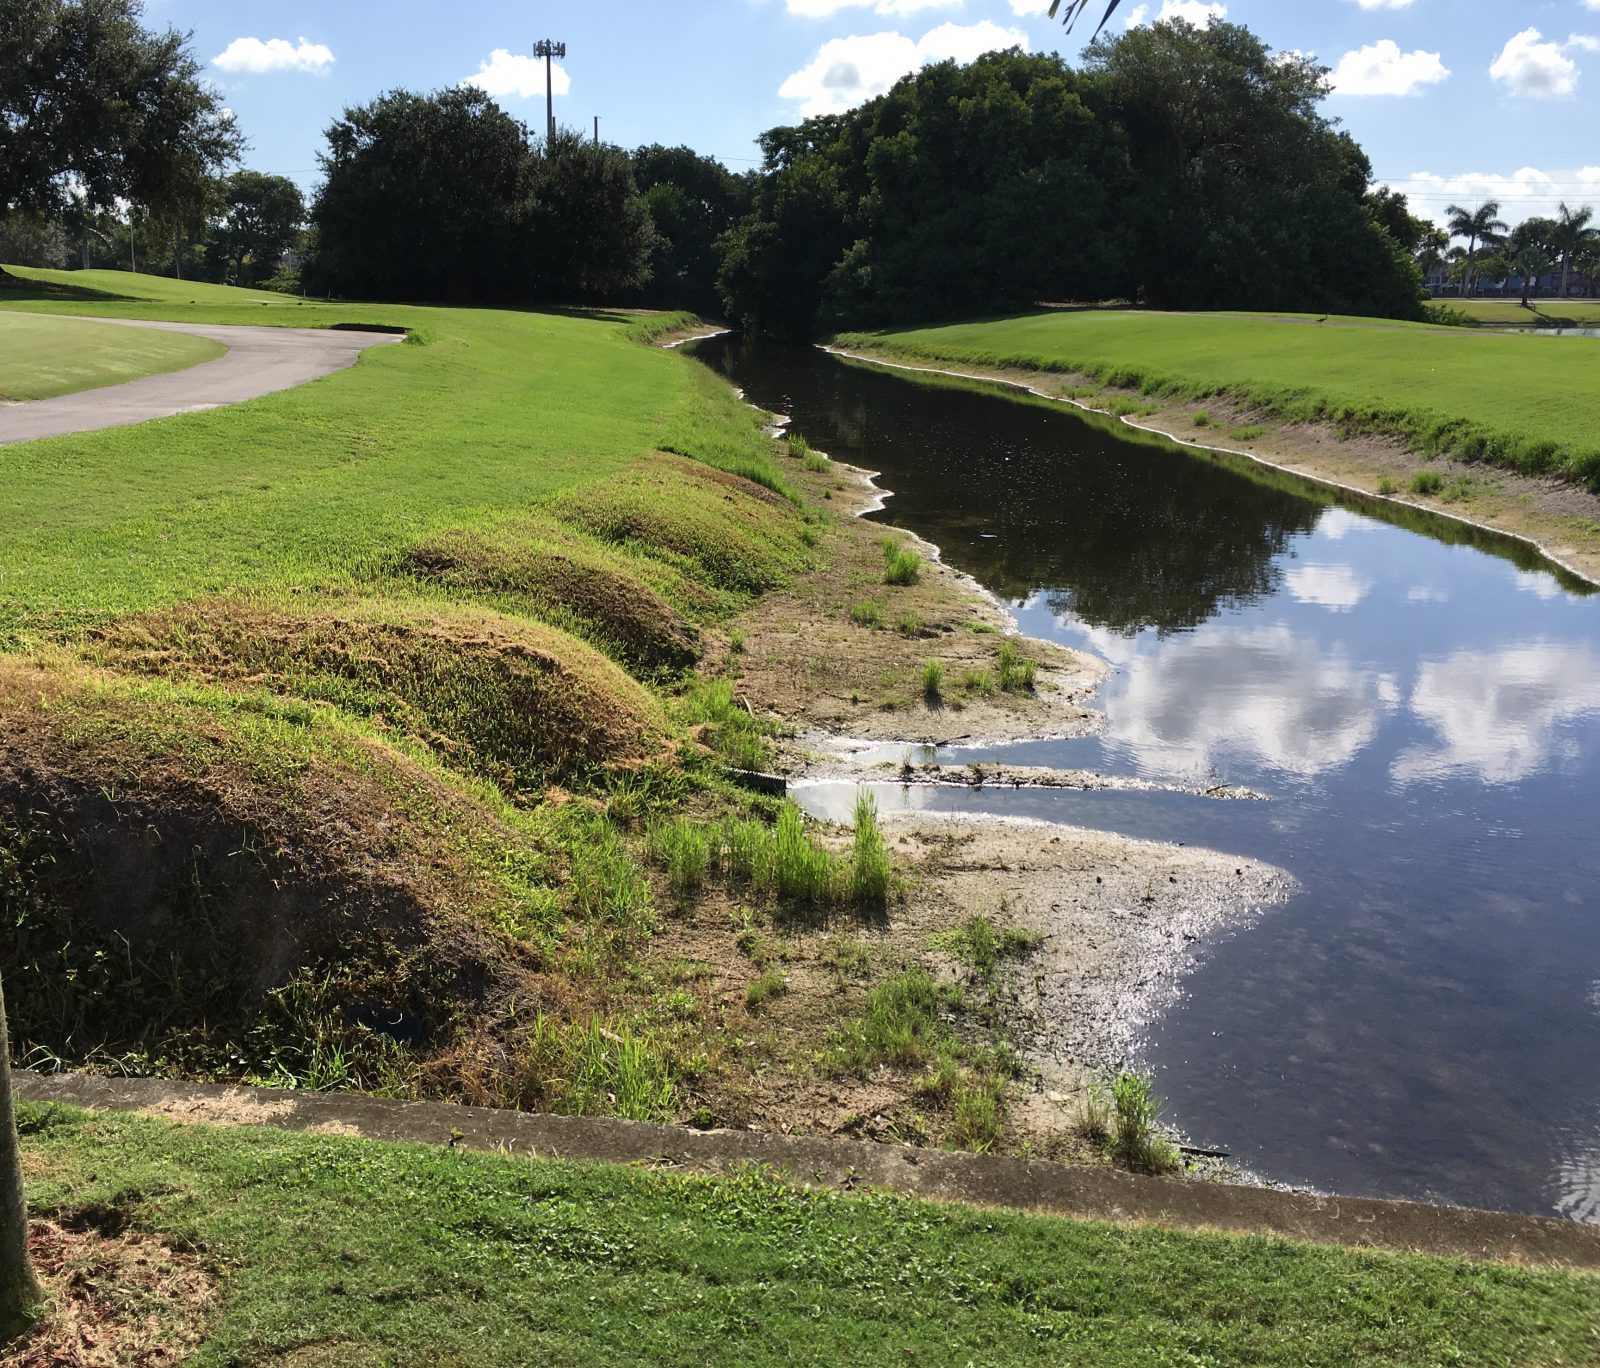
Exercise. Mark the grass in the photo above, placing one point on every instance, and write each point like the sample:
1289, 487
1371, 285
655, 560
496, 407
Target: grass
337, 1250
1426, 482
931, 680
1549, 313
1502, 399
867, 613
980, 945
41, 358
1014, 673
1136, 1140
901, 565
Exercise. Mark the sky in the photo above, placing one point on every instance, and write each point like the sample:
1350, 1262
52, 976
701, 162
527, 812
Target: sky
1453, 100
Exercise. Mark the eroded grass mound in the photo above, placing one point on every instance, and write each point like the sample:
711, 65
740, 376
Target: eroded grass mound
518, 702
738, 534
594, 589
237, 885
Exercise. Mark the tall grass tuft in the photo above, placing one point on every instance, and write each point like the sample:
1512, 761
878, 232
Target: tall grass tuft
683, 848
932, 680
1016, 675
901, 565
871, 872
1137, 1142
801, 872
586, 1069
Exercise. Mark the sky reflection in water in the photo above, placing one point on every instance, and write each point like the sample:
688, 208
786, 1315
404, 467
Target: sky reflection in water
1423, 701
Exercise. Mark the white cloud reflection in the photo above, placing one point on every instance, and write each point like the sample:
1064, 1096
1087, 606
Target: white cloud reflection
1263, 692
1337, 587
1496, 713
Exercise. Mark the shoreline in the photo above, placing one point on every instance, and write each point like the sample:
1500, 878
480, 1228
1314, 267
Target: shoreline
1541, 532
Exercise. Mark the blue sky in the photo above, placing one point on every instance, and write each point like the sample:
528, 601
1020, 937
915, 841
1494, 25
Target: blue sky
1453, 99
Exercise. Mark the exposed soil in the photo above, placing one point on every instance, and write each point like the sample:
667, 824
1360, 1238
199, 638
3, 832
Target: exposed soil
115, 1300
1561, 518
806, 661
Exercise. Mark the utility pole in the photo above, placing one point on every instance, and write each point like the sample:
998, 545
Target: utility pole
549, 51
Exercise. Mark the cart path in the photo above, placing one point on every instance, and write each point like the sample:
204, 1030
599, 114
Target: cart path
259, 361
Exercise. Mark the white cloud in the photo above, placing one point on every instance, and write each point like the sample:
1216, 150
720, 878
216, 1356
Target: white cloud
253, 56
1336, 587
506, 74
1522, 194
822, 9
849, 71
1392, 4
1030, 7
1540, 70
1381, 68
1498, 714
1194, 11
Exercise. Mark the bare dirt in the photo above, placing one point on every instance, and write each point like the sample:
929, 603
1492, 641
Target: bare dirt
1560, 518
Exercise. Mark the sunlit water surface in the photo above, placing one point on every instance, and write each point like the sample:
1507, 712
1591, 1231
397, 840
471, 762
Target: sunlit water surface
1423, 704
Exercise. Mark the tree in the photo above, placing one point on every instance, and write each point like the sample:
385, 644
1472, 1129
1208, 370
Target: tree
1531, 261
693, 201
1432, 250
424, 197
258, 219
588, 233
1573, 228
19, 1288
93, 106
1481, 227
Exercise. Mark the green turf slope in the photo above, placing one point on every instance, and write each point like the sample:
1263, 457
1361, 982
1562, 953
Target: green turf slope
1525, 402
43, 357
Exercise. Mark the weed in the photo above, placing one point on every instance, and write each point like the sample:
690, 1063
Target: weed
1386, 485
908, 625
1252, 432
932, 680
976, 681
871, 872
978, 1123
801, 871
1202, 419
1426, 482
738, 738
983, 628
683, 849
1459, 490
736, 641
901, 565
799, 448
1138, 1143
979, 945
1016, 675
816, 462
588, 1069
1094, 1116
901, 1025
867, 613
762, 990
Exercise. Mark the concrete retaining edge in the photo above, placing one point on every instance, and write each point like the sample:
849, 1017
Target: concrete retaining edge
1081, 1193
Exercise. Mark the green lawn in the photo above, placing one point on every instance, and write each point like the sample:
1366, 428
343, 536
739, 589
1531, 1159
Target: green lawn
1526, 402
485, 411
43, 357
1578, 313
354, 1252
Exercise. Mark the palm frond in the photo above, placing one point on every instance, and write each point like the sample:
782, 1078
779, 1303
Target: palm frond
1074, 8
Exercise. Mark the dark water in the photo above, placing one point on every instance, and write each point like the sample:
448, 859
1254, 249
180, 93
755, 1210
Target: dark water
1422, 700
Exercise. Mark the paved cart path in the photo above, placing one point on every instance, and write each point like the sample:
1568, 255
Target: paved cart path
258, 361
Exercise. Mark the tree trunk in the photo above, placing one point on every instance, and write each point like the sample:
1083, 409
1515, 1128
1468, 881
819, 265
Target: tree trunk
1566, 272
19, 1289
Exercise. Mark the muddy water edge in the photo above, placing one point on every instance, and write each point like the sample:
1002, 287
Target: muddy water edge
1415, 1010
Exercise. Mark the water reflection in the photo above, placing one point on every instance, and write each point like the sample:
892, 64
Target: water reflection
1500, 715
1425, 710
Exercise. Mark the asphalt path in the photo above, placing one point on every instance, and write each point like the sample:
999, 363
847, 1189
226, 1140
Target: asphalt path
259, 361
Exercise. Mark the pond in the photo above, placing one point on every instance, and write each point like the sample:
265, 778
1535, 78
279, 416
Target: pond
1421, 699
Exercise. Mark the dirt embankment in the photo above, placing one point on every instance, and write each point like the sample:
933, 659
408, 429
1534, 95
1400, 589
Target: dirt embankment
1559, 518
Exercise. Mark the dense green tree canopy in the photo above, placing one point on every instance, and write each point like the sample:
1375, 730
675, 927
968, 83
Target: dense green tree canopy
94, 104
258, 220
693, 200
445, 196
1184, 167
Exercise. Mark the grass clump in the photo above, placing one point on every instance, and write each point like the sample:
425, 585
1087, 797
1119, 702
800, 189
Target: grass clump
931, 680
908, 625
762, 990
1426, 482
799, 447
1251, 432
733, 735
871, 870
976, 681
902, 1025
978, 944
867, 613
1136, 1140
816, 462
1202, 419
1387, 486
589, 1069
1015, 674
682, 847
901, 565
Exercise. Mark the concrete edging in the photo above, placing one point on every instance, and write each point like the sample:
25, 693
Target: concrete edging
1081, 1193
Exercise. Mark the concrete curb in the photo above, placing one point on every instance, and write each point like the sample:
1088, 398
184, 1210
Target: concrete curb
932, 1175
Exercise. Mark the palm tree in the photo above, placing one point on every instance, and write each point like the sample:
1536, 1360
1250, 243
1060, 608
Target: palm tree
1572, 230
1479, 226
19, 1289
1532, 261
1077, 7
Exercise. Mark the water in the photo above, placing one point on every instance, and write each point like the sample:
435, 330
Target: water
1422, 701
1555, 332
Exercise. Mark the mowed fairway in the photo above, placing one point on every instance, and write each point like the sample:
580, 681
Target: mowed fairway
318, 486
1524, 402
41, 358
